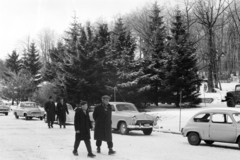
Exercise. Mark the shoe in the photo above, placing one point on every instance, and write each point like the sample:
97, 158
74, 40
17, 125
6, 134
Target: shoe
98, 150
52, 126
91, 155
111, 152
75, 153
49, 127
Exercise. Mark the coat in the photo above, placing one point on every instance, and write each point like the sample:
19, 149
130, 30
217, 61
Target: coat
103, 123
50, 108
61, 111
83, 124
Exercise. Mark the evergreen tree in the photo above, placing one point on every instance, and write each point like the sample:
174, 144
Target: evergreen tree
13, 62
182, 74
149, 73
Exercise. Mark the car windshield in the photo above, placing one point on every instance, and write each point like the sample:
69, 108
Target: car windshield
28, 105
126, 107
236, 117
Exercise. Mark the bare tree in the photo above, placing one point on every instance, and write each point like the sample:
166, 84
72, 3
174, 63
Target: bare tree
208, 13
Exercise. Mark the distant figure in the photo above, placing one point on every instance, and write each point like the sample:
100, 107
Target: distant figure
82, 126
50, 109
61, 112
103, 124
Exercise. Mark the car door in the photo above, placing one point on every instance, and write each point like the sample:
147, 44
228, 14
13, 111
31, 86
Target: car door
222, 128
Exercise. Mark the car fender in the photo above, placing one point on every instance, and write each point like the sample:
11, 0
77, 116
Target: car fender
119, 122
195, 131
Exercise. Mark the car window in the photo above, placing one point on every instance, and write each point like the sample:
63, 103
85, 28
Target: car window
204, 117
221, 118
28, 105
236, 117
126, 107
69, 107
113, 108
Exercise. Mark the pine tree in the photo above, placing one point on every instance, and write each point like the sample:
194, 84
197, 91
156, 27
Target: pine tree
149, 73
182, 65
13, 62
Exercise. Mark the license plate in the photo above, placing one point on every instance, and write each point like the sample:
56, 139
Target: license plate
146, 125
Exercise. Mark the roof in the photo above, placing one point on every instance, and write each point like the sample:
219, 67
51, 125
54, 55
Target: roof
225, 110
120, 102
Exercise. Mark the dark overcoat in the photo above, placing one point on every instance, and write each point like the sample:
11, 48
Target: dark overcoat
61, 111
50, 108
83, 124
103, 123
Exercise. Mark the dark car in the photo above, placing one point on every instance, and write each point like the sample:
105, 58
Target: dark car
233, 97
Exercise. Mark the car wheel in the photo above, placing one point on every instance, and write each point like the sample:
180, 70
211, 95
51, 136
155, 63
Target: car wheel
230, 103
16, 116
123, 128
239, 142
93, 125
194, 139
147, 131
30, 118
209, 142
26, 117
41, 118
6, 114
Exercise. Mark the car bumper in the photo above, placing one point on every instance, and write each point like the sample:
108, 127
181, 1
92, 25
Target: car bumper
139, 127
4, 111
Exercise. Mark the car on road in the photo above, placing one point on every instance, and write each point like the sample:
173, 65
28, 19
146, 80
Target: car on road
4, 108
69, 117
126, 117
233, 97
28, 110
214, 125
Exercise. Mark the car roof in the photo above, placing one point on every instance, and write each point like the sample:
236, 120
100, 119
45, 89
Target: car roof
225, 110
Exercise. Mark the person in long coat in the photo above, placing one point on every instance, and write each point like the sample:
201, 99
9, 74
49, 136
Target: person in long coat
82, 126
61, 112
102, 116
50, 109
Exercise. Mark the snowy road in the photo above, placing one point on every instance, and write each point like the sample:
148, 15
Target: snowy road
32, 140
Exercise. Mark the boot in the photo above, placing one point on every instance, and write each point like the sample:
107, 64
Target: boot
111, 152
98, 150
75, 153
91, 155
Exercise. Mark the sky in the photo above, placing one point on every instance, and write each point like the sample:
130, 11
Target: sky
26, 18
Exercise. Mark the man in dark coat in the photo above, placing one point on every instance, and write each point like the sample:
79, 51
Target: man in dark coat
102, 116
50, 109
82, 126
61, 112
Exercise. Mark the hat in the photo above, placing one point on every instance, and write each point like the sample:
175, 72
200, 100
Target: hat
106, 97
83, 103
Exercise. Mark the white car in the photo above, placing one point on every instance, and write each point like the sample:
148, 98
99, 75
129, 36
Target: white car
213, 125
28, 110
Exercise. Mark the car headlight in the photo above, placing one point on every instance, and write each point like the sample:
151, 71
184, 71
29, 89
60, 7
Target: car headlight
134, 120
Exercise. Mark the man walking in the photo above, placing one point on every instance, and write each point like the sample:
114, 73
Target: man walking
103, 124
50, 109
61, 112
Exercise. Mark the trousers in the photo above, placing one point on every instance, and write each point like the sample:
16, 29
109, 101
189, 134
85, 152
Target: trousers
99, 143
87, 143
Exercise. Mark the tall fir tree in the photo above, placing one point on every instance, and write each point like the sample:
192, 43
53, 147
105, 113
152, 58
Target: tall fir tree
13, 62
149, 73
182, 77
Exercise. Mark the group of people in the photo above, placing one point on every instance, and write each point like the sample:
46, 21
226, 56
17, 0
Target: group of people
102, 116
61, 110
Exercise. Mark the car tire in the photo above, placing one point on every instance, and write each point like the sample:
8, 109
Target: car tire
230, 103
194, 139
209, 142
147, 131
16, 116
6, 114
93, 125
41, 118
26, 117
239, 142
123, 128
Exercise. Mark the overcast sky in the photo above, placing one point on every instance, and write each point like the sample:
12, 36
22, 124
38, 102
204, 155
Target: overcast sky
22, 18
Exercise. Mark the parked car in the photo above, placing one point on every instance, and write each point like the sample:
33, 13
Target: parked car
69, 117
4, 108
233, 97
126, 117
28, 110
214, 125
